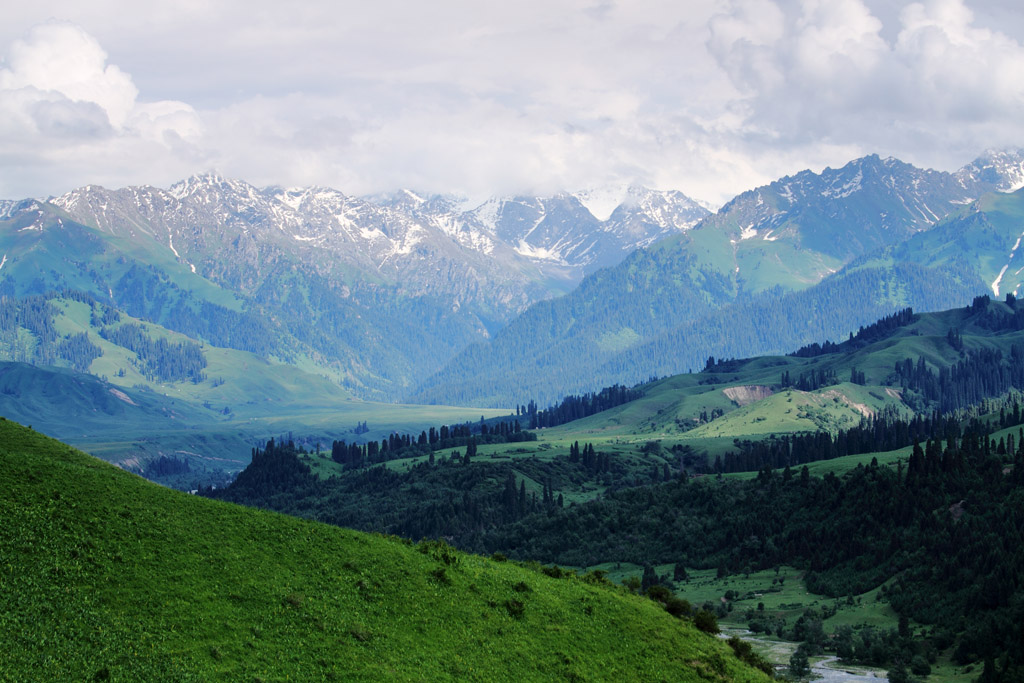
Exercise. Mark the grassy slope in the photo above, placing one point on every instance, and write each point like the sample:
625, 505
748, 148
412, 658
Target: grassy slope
263, 398
105, 575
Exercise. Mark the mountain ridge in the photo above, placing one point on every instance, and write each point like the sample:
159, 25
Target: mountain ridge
809, 232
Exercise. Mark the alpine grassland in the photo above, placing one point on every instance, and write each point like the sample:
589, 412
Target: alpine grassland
104, 576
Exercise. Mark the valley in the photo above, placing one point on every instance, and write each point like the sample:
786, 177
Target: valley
799, 452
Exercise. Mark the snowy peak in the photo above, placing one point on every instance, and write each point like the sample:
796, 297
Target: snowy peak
1003, 170
866, 204
589, 229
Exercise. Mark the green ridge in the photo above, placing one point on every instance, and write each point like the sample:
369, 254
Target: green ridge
104, 576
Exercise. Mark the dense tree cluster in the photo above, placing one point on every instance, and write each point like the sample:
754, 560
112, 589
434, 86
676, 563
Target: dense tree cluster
447, 497
400, 446
159, 360
45, 345
886, 431
78, 351
876, 331
947, 524
981, 373
577, 407
810, 380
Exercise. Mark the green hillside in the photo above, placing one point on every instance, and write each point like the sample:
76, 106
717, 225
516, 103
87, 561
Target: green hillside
108, 577
200, 402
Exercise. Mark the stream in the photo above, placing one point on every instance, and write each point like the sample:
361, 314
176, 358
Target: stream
827, 670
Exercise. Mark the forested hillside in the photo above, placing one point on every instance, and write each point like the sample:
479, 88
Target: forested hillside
929, 464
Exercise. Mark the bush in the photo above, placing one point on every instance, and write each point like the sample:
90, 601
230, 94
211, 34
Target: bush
706, 621
678, 607
440, 551
597, 577
515, 608
659, 593
919, 665
745, 652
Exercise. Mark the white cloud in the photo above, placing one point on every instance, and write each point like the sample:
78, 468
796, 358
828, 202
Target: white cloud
944, 88
710, 97
66, 109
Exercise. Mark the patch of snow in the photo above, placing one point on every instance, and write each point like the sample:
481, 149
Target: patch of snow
487, 213
602, 202
372, 234
848, 188
303, 238
995, 284
170, 243
787, 193
292, 198
415, 197
540, 253
4, 261
192, 267
540, 219
748, 232
768, 236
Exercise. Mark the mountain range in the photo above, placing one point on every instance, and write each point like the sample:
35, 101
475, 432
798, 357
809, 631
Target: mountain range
374, 291
807, 257
435, 300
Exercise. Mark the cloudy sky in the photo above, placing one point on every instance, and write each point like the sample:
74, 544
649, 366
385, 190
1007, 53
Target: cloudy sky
710, 97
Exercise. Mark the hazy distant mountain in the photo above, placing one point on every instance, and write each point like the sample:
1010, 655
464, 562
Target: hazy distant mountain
382, 289
717, 289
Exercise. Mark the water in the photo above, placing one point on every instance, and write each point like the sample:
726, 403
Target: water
828, 670
831, 671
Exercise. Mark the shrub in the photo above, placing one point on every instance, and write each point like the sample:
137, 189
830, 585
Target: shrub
555, 571
678, 607
516, 609
745, 652
441, 576
440, 551
706, 621
597, 577
659, 593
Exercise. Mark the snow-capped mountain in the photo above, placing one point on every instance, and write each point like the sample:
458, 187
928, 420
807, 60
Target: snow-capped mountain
722, 286
499, 257
381, 289
590, 229
1003, 170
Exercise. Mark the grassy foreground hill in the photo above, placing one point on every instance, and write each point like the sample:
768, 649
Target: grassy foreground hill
104, 576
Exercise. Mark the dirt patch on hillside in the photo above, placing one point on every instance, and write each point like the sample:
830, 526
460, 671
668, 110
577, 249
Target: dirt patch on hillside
745, 395
861, 408
122, 396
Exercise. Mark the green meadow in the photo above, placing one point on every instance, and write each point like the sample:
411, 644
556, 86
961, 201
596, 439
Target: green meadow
108, 577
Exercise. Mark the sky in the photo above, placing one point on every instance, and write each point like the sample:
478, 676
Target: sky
709, 97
